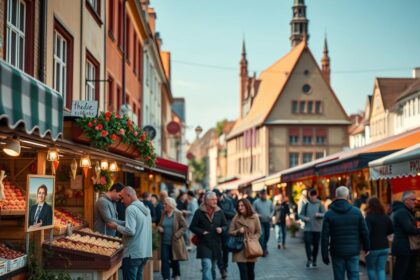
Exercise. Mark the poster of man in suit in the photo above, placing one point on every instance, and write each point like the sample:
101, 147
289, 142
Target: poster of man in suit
40, 206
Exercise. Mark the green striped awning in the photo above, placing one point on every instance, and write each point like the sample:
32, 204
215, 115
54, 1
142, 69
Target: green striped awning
24, 100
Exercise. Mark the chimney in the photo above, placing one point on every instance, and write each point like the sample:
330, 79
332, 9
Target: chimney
416, 73
152, 19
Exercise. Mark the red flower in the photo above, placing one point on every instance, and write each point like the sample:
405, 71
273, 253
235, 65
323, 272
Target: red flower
117, 116
99, 127
108, 114
143, 136
90, 124
94, 121
113, 137
122, 131
147, 158
104, 133
129, 123
107, 119
135, 133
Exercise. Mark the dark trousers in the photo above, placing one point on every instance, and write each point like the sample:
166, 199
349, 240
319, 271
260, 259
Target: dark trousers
404, 267
222, 263
168, 262
133, 268
265, 235
311, 244
246, 270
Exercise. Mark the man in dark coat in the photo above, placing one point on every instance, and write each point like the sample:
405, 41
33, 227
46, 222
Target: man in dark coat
40, 214
228, 208
404, 226
208, 224
343, 230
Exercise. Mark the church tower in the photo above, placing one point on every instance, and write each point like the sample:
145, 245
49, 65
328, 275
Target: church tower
243, 77
325, 62
299, 23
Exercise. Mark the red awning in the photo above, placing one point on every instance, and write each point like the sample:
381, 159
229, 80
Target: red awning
172, 168
307, 131
294, 131
321, 132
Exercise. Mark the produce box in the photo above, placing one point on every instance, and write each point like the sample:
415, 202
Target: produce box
4, 268
14, 264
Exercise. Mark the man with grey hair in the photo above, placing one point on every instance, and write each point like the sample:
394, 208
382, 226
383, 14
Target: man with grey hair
343, 230
137, 235
208, 224
404, 226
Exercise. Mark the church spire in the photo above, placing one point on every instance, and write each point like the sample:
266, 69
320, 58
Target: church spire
243, 74
325, 62
299, 23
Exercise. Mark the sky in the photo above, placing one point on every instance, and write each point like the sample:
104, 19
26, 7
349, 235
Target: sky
366, 39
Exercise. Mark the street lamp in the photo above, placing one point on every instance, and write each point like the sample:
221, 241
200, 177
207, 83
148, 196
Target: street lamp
198, 131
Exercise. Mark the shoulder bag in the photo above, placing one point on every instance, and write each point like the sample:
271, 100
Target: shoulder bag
235, 243
253, 248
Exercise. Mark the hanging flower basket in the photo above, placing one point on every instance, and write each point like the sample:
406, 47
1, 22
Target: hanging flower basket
110, 131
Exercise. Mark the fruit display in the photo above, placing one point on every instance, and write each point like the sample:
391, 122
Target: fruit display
9, 254
62, 218
83, 247
97, 241
98, 234
15, 199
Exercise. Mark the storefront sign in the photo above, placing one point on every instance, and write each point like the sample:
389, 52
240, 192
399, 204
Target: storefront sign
151, 131
81, 108
297, 175
395, 170
415, 166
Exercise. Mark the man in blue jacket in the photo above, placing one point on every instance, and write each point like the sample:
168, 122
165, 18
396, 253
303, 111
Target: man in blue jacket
343, 230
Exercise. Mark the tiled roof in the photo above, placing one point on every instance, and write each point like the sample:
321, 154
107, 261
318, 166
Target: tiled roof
391, 89
413, 88
273, 81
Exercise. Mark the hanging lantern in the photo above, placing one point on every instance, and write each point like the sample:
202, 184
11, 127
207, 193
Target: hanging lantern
104, 164
85, 164
73, 168
52, 154
97, 170
113, 166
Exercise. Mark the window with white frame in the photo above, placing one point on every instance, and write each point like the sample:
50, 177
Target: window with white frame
90, 83
293, 159
60, 64
15, 50
93, 4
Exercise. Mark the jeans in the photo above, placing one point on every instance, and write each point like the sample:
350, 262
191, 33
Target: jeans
280, 233
405, 267
349, 264
311, 240
133, 268
209, 269
246, 270
168, 263
375, 264
265, 235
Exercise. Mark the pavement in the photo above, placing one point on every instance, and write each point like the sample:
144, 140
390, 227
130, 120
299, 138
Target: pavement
287, 263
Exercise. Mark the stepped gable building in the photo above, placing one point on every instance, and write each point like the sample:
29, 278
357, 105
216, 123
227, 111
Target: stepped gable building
290, 114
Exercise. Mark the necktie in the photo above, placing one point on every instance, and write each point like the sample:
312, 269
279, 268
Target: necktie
37, 212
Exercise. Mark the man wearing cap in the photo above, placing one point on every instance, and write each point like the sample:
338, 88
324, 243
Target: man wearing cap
228, 208
265, 210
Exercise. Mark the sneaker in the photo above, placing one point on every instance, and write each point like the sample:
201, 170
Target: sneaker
314, 264
308, 264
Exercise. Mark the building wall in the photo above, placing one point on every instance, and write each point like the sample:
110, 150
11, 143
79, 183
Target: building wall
379, 120
408, 113
213, 165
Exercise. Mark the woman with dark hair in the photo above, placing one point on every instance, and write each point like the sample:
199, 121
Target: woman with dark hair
380, 226
246, 221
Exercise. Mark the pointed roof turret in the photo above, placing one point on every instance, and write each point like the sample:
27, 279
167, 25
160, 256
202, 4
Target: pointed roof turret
325, 62
299, 23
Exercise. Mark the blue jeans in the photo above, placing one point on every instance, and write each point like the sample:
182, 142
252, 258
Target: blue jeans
281, 233
265, 235
375, 263
341, 265
209, 269
311, 244
133, 268
168, 262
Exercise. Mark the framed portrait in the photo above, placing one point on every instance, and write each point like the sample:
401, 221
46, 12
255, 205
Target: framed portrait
40, 191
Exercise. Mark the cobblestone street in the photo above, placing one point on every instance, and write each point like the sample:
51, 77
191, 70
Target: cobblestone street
280, 264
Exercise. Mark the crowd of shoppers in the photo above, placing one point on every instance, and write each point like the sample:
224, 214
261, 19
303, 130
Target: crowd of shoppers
343, 230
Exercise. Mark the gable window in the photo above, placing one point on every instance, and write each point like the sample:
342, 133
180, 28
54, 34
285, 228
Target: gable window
293, 136
294, 106
310, 108
302, 106
94, 8
318, 107
15, 50
92, 75
111, 16
307, 136
63, 63
293, 159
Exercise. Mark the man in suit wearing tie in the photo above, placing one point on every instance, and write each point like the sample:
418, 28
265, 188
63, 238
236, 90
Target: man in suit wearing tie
40, 214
